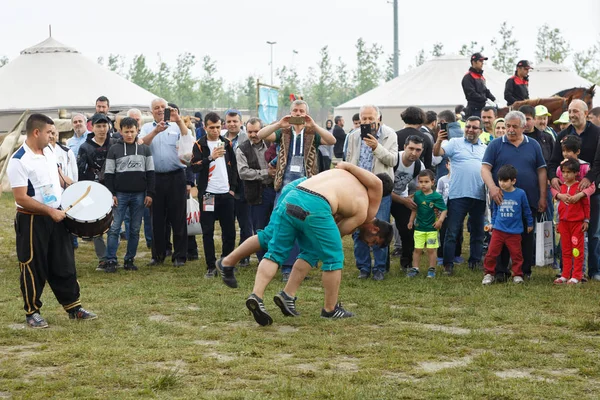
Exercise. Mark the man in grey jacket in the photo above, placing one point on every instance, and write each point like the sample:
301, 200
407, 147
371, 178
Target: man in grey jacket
376, 153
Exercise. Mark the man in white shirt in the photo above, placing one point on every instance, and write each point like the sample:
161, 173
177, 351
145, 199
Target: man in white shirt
33, 175
213, 159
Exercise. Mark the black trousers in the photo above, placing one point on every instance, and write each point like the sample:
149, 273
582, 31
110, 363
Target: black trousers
45, 253
401, 216
169, 207
224, 212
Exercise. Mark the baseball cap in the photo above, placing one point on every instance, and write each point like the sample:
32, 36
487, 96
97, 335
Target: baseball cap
478, 57
524, 64
541, 111
99, 118
564, 118
233, 111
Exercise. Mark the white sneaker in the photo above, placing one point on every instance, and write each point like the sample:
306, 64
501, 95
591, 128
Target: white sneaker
488, 279
518, 279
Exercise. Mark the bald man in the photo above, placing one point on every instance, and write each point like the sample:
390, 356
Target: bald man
590, 152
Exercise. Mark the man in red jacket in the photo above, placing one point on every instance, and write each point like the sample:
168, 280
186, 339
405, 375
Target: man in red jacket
474, 87
517, 86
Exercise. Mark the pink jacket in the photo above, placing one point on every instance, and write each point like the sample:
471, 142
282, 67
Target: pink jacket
584, 168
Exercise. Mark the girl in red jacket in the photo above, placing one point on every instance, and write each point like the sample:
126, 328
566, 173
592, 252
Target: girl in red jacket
574, 217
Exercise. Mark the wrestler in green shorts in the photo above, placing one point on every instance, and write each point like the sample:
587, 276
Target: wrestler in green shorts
304, 216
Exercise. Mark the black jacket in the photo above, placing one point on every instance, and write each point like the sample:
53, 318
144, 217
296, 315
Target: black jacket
476, 91
340, 137
91, 158
545, 140
516, 89
590, 151
200, 164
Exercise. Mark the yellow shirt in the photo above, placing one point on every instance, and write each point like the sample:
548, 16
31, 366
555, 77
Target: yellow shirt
486, 138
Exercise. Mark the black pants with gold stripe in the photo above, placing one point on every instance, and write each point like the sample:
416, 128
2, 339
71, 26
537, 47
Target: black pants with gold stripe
45, 252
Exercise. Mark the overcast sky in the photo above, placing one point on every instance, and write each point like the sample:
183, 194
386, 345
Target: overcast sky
234, 32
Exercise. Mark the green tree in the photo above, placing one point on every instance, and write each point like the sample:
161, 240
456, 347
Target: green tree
438, 50
3, 61
420, 58
367, 72
587, 63
343, 89
467, 50
140, 74
506, 50
388, 75
116, 63
323, 88
162, 84
289, 84
184, 84
210, 85
551, 44
249, 94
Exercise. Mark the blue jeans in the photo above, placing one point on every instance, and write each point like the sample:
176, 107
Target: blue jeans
132, 204
594, 235
457, 211
362, 252
261, 214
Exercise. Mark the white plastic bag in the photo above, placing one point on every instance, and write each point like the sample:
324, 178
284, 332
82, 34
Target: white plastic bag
193, 217
544, 249
186, 145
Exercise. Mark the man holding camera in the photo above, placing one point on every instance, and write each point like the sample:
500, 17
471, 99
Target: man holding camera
375, 149
169, 203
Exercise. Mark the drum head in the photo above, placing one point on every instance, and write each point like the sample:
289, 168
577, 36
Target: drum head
93, 207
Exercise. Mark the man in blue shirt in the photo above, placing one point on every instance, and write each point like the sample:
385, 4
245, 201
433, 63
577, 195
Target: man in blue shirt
525, 155
80, 132
169, 204
467, 192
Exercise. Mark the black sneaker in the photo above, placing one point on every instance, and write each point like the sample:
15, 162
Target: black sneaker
448, 269
245, 262
155, 262
378, 276
475, 266
111, 267
286, 303
128, 265
227, 274
36, 321
397, 253
101, 266
82, 314
285, 277
258, 310
338, 312
363, 275
211, 273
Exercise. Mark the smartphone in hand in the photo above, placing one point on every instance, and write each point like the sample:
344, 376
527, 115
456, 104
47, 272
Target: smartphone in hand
167, 114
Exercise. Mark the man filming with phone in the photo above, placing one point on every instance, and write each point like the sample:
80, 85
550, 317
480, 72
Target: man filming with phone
375, 149
299, 138
169, 203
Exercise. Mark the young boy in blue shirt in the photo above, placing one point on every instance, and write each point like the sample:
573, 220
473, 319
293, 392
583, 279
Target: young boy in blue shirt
507, 225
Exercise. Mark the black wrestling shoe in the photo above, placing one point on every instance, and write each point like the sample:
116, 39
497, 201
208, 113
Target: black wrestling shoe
82, 314
36, 321
286, 303
258, 310
227, 274
338, 312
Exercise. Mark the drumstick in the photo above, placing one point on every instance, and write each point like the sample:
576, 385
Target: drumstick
87, 191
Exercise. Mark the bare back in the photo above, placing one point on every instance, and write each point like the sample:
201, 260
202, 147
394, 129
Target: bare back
344, 192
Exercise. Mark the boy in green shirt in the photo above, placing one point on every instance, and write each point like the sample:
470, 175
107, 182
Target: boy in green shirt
430, 214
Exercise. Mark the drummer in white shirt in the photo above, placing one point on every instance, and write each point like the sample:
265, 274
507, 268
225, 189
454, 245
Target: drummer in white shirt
37, 189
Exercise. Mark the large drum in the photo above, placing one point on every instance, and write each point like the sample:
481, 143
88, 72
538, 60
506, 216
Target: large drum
92, 216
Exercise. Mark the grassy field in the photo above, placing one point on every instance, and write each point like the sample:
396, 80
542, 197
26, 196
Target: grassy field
170, 333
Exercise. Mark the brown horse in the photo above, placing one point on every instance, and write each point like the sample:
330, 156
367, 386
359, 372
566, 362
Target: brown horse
581, 93
555, 105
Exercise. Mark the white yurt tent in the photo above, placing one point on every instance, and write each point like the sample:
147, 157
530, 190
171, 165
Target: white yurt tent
435, 85
51, 76
548, 78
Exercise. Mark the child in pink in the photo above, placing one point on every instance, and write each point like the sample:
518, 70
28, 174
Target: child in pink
574, 216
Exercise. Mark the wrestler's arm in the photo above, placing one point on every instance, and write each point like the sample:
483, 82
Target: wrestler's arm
371, 182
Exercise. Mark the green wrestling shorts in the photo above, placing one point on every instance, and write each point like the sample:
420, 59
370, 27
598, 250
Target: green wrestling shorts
304, 216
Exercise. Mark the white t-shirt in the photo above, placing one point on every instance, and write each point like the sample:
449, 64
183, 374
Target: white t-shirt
38, 173
218, 181
404, 183
443, 187
67, 162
